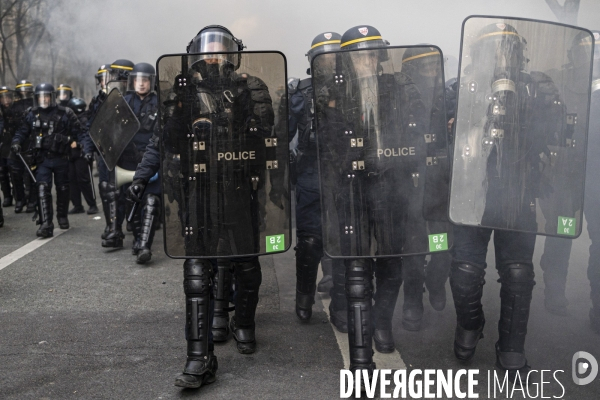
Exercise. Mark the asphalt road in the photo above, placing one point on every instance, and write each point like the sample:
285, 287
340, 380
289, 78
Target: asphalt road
81, 322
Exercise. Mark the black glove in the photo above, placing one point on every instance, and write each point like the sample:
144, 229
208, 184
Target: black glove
16, 148
89, 157
136, 190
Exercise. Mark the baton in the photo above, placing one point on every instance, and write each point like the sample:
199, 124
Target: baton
27, 167
92, 180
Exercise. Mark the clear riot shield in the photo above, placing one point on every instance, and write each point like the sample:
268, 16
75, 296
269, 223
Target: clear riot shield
382, 149
224, 154
113, 127
521, 126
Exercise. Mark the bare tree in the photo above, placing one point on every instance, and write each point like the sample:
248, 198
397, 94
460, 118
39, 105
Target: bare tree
567, 13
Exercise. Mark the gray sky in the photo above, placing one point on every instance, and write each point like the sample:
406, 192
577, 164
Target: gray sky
143, 30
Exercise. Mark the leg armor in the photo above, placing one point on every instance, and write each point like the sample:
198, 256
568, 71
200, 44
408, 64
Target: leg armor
150, 220
115, 236
62, 206
338, 308
555, 264
436, 275
136, 229
413, 272
248, 278
5, 186
1, 216
515, 296
103, 189
359, 292
309, 251
201, 365
222, 291
466, 282
326, 283
388, 279
45, 203
19, 188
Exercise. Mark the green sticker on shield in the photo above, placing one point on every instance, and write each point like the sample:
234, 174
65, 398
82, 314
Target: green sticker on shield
566, 226
438, 242
275, 243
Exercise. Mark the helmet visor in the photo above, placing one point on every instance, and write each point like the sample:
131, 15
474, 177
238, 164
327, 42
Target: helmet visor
212, 42
141, 82
44, 100
64, 94
7, 98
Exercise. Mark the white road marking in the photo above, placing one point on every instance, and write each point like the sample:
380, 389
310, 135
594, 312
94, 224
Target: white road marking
28, 248
382, 361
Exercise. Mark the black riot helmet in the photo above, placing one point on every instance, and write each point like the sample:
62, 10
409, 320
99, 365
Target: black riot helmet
44, 96
77, 105
24, 90
323, 42
7, 96
119, 74
499, 46
362, 37
141, 79
102, 77
581, 48
64, 93
424, 61
215, 39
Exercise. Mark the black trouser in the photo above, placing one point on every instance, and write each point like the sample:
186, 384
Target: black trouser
80, 182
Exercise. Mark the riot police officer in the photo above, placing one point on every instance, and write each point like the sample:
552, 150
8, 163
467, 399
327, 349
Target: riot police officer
211, 85
501, 156
108, 77
143, 101
309, 247
6, 102
52, 129
557, 251
80, 181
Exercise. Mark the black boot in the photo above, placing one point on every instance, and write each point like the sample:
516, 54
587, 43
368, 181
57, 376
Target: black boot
338, 308
136, 225
515, 296
62, 206
150, 220
437, 272
413, 272
388, 279
46, 228
103, 188
114, 238
201, 365
466, 282
326, 283
5, 186
309, 251
19, 189
359, 293
222, 291
248, 278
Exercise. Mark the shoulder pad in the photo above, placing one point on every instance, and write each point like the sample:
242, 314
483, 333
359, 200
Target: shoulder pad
305, 83
255, 83
292, 85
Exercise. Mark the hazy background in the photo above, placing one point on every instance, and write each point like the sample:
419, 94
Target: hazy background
143, 30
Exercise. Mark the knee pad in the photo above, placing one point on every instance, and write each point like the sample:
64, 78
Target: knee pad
517, 278
310, 248
248, 274
197, 275
151, 204
359, 280
103, 186
389, 269
43, 189
464, 276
